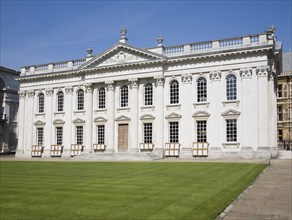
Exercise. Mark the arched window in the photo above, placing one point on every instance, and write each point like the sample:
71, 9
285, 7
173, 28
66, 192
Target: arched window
80, 99
201, 90
101, 98
124, 96
60, 101
231, 87
148, 94
174, 92
41, 103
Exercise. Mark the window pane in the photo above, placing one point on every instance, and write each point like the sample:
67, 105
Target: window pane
201, 90
41, 103
231, 90
80, 99
100, 134
101, 98
148, 94
147, 132
173, 132
124, 96
60, 101
174, 92
201, 131
59, 135
40, 136
280, 113
79, 135
231, 130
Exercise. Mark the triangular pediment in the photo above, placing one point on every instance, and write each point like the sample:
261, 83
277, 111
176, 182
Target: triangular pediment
201, 114
147, 117
121, 54
39, 123
123, 118
230, 112
173, 116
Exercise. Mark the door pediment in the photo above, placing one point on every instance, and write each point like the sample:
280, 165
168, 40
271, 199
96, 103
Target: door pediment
121, 54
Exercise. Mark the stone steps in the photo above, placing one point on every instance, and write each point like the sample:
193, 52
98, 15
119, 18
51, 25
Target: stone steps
117, 156
285, 154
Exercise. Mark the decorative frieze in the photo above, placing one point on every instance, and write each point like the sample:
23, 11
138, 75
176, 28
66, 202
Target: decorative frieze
159, 80
262, 71
246, 73
134, 83
49, 91
215, 75
30, 93
88, 87
69, 90
110, 85
22, 94
187, 78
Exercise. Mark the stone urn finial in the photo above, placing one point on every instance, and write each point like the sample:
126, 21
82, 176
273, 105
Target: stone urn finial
159, 41
123, 38
89, 51
271, 32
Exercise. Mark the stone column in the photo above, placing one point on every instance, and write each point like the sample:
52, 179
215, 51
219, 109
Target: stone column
48, 127
28, 125
159, 112
186, 121
88, 117
20, 124
133, 129
214, 122
67, 132
110, 102
263, 150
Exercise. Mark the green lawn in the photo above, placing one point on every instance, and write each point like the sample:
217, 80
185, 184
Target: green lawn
66, 190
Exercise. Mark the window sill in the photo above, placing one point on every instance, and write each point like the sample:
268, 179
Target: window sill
123, 109
231, 145
231, 102
173, 106
40, 114
103, 110
146, 107
203, 104
59, 113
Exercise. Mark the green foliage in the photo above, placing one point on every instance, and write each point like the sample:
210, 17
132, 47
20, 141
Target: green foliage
65, 190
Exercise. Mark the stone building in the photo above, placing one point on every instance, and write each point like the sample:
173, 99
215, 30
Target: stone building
215, 98
8, 110
284, 102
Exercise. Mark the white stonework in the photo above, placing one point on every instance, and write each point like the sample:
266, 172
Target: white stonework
167, 101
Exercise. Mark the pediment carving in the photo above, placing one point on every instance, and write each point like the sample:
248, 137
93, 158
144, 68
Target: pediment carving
201, 114
78, 120
39, 123
121, 54
58, 122
123, 118
173, 116
147, 117
230, 112
100, 119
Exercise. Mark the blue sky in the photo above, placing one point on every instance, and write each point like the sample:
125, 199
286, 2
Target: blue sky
36, 32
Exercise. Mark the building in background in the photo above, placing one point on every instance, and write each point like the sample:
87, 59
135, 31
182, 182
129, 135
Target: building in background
284, 103
214, 98
9, 101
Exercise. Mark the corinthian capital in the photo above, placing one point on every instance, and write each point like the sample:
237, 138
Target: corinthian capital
215, 75
134, 83
31, 93
110, 85
88, 87
159, 80
187, 78
22, 94
49, 91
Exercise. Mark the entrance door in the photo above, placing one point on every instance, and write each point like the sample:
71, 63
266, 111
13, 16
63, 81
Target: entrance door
123, 138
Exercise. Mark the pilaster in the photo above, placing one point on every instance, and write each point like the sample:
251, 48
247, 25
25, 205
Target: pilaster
21, 122
28, 125
48, 133
134, 146
88, 117
67, 132
110, 103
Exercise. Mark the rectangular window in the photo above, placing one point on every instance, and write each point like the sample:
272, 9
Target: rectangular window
231, 130
173, 132
40, 136
280, 90
79, 134
101, 98
280, 135
59, 135
201, 131
100, 134
147, 132
280, 113
148, 94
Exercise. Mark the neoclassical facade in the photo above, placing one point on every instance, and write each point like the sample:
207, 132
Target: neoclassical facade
212, 99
